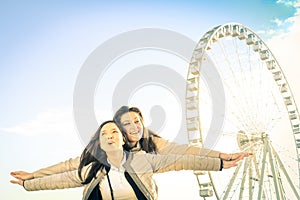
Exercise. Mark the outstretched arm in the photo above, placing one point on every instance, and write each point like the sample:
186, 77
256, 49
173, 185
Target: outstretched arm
68, 165
164, 163
166, 147
68, 179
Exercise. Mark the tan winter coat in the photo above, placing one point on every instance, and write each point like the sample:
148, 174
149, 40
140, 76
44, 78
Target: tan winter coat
140, 167
163, 147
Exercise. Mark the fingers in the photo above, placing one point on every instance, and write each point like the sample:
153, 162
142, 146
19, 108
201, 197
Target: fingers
229, 164
22, 175
13, 173
16, 175
234, 159
18, 182
14, 182
234, 156
241, 155
246, 154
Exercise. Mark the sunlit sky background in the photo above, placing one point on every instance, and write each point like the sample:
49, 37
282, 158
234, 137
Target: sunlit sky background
44, 44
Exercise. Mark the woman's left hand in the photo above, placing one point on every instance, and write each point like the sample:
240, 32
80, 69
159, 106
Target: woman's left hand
235, 157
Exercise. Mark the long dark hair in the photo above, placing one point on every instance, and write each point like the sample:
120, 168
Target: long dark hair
93, 154
146, 142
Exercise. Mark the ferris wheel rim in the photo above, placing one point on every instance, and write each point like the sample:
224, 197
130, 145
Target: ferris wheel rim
202, 47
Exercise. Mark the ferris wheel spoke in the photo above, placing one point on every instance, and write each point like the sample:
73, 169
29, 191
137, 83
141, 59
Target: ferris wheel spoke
278, 189
231, 182
273, 110
295, 190
262, 174
246, 83
257, 171
288, 155
242, 188
250, 181
241, 113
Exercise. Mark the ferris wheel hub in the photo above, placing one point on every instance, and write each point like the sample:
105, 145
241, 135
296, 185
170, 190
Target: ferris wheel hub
250, 141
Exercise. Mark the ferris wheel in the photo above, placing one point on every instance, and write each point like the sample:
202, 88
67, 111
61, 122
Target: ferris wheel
231, 67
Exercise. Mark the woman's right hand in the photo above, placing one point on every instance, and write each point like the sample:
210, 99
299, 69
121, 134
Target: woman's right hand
21, 175
229, 164
18, 181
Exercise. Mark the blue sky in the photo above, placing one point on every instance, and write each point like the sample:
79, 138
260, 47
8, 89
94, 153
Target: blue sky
40, 26
44, 44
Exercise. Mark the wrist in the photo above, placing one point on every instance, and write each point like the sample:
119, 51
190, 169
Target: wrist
223, 156
221, 164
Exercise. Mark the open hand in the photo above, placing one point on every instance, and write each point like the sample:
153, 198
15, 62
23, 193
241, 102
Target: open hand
22, 175
234, 156
18, 181
229, 164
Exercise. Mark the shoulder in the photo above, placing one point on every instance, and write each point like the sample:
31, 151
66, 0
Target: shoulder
86, 170
159, 141
140, 162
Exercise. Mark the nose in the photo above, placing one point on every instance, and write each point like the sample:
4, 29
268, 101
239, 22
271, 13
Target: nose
134, 127
109, 136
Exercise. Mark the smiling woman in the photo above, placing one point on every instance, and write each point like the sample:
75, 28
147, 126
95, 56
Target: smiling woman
133, 127
107, 172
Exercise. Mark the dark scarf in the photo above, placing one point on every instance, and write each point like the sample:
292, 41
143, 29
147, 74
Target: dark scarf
96, 193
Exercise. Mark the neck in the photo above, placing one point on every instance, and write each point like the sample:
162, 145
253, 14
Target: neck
115, 157
133, 144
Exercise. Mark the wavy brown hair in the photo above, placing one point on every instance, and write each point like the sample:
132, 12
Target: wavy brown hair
146, 142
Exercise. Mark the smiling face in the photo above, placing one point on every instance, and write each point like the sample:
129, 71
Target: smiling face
133, 126
111, 138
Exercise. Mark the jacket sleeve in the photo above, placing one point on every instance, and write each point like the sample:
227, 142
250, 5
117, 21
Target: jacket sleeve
165, 147
165, 163
68, 165
68, 179
156, 163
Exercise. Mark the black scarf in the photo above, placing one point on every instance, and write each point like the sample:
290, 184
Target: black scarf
96, 193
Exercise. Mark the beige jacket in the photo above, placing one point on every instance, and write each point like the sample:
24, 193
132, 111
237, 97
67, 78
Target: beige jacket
163, 147
139, 166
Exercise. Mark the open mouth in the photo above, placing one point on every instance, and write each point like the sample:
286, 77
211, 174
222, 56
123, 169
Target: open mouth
134, 133
110, 142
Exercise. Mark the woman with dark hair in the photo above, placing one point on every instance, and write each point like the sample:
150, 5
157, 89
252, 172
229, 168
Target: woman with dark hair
138, 137
108, 172
131, 122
